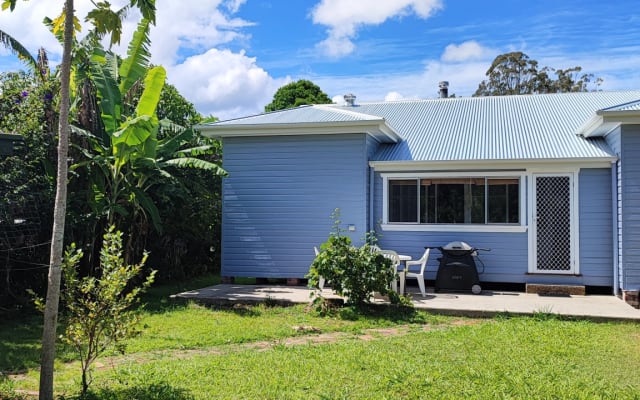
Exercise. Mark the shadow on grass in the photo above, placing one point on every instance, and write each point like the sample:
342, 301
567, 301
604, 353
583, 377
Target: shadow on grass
20, 343
158, 298
156, 391
395, 313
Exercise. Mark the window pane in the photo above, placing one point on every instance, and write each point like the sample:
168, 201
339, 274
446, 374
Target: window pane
403, 200
449, 204
456, 200
427, 202
477, 204
513, 192
503, 204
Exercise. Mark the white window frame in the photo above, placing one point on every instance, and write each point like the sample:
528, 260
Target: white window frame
420, 227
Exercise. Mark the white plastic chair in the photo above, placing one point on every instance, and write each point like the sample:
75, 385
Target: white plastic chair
320, 278
395, 264
422, 262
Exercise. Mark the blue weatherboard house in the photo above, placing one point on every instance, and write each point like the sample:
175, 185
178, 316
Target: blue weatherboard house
551, 183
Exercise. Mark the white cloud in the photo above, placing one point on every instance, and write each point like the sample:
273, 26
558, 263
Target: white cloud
422, 84
338, 99
218, 82
344, 17
470, 50
393, 96
194, 28
234, 5
224, 84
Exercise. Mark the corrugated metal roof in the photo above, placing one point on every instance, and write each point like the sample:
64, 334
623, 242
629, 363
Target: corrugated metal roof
304, 114
526, 127
631, 106
495, 128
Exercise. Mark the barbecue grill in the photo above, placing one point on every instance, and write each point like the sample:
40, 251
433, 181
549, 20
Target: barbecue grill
458, 268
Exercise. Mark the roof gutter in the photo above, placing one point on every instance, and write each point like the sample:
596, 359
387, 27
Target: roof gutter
488, 165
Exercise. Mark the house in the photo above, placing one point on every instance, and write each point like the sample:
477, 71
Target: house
551, 183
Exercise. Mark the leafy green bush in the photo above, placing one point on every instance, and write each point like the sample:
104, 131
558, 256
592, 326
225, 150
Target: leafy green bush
99, 310
354, 272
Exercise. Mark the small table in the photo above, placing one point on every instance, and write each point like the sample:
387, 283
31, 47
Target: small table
403, 271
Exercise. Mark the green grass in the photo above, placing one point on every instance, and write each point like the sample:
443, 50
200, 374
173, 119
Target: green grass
189, 351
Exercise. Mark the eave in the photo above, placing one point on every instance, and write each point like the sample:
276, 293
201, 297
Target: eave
606, 121
377, 128
489, 165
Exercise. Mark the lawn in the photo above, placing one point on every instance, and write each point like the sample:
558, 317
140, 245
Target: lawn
188, 351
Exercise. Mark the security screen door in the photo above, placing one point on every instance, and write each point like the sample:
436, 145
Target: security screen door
552, 219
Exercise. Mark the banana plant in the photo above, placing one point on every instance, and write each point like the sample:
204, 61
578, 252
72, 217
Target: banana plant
126, 160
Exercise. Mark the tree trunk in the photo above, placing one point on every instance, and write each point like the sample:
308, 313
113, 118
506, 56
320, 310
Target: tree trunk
57, 237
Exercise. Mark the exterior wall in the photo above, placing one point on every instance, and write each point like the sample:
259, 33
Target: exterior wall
372, 147
279, 195
596, 230
630, 207
506, 262
509, 256
614, 140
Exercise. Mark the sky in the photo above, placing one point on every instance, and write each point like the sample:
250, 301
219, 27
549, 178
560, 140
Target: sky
228, 57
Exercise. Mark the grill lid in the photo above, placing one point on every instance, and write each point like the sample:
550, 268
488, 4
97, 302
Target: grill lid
457, 246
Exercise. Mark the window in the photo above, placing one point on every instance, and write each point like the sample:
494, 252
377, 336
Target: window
472, 200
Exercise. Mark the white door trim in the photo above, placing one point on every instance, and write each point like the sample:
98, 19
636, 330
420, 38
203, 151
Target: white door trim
574, 222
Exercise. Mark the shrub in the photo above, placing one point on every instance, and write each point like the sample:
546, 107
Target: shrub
354, 272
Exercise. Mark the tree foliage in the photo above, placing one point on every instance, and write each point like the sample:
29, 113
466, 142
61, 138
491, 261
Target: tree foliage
297, 93
515, 73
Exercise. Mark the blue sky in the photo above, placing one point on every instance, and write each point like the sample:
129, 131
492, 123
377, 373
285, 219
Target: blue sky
229, 56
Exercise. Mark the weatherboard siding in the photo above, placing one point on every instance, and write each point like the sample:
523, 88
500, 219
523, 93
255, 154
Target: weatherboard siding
596, 231
506, 262
279, 196
630, 202
614, 140
509, 256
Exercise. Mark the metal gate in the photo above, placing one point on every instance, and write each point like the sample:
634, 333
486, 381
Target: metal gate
553, 230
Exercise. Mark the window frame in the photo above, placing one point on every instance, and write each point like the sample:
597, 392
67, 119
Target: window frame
462, 227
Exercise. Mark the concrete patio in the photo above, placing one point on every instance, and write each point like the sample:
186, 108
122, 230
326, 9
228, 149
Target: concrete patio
486, 304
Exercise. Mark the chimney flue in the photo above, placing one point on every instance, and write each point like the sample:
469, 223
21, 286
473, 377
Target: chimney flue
350, 99
444, 89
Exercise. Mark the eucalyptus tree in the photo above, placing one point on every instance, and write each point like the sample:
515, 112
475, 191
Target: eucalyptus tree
515, 73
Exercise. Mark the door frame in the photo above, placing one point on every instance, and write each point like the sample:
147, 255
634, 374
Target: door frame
574, 241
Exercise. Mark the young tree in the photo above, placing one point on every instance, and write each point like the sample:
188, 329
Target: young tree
100, 311
515, 73
296, 94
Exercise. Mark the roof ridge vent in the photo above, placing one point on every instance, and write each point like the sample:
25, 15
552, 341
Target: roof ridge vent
444, 89
350, 99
